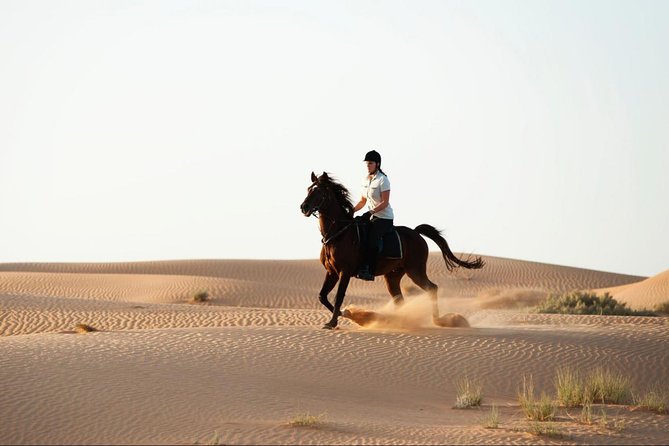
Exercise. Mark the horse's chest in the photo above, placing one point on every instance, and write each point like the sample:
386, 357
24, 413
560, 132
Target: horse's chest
330, 261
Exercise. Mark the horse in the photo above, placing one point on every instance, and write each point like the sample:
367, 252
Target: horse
341, 255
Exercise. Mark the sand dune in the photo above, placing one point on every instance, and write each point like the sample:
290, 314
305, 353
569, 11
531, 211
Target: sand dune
238, 368
645, 294
308, 274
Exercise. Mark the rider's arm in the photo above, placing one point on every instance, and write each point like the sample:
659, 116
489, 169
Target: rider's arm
385, 201
361, 203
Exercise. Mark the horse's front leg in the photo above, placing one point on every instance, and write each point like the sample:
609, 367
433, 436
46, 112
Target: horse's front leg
344, 279
329, 283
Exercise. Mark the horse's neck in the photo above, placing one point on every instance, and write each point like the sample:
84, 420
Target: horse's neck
332, 221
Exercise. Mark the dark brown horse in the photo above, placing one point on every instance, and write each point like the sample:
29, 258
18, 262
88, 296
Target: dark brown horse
341, 255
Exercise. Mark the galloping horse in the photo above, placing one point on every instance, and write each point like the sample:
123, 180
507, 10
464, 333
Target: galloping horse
341, 256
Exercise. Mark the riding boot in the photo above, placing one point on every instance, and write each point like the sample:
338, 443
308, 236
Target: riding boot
365, 274
366, 271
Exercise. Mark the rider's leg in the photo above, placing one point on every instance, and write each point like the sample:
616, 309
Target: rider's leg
377, 228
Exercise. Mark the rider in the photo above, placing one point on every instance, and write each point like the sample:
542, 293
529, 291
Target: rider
376, 194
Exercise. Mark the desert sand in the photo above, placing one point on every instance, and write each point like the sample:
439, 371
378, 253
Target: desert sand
245, 366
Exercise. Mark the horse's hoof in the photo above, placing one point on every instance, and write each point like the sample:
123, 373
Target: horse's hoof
329, 327
451, 320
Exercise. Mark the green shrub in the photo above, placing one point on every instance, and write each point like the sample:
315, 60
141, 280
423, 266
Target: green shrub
662, 307
582, 302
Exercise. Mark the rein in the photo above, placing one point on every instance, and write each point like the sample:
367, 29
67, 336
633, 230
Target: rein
325, 241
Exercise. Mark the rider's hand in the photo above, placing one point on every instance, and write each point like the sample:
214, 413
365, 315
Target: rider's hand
366, 216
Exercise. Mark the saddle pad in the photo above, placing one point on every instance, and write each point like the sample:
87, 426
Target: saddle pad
391, 245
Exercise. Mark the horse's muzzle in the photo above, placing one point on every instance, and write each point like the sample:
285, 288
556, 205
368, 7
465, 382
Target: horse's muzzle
306, 209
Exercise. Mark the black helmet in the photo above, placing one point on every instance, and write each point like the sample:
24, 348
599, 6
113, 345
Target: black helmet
373, 156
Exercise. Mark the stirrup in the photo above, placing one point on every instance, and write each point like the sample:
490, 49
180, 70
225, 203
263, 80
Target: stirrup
365, 274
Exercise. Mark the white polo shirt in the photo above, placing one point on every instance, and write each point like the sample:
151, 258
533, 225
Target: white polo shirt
371, 189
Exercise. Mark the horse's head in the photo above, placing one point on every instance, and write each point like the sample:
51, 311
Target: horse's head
317, 194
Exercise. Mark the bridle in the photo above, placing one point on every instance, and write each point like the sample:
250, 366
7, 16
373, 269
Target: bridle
317, 210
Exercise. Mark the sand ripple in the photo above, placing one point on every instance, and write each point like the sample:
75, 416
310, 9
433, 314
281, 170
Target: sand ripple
242, 365
246, 383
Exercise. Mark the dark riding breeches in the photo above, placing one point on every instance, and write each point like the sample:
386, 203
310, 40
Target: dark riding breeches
378, 227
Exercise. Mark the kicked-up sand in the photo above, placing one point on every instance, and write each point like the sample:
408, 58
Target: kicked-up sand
120, 353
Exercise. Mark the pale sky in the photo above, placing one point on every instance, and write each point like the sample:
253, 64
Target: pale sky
149, 130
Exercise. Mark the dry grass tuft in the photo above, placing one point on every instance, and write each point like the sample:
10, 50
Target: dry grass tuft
569, 387
213, 441
655, 399
607, 386
84, 328
305, 419
542, 409
491, 420
468, 393
586, 414
200, 296
616, 424
549, 430
601, 385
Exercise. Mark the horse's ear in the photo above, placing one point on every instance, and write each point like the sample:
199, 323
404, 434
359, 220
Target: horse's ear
313, 177
325, 176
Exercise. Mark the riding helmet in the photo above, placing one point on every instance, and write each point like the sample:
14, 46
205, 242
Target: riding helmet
373, 156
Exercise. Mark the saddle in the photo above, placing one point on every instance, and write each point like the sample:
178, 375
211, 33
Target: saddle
390, 244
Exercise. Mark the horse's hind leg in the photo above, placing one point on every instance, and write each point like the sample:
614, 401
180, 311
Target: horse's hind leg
420, 278
393, 280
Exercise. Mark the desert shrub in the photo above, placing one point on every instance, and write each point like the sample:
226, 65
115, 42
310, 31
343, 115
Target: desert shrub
582, 302
541, 409
662, 307
200, 296
468, 393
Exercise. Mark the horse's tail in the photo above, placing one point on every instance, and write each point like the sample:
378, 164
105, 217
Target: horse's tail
451, 260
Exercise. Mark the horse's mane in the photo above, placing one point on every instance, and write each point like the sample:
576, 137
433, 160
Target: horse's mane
341, 194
